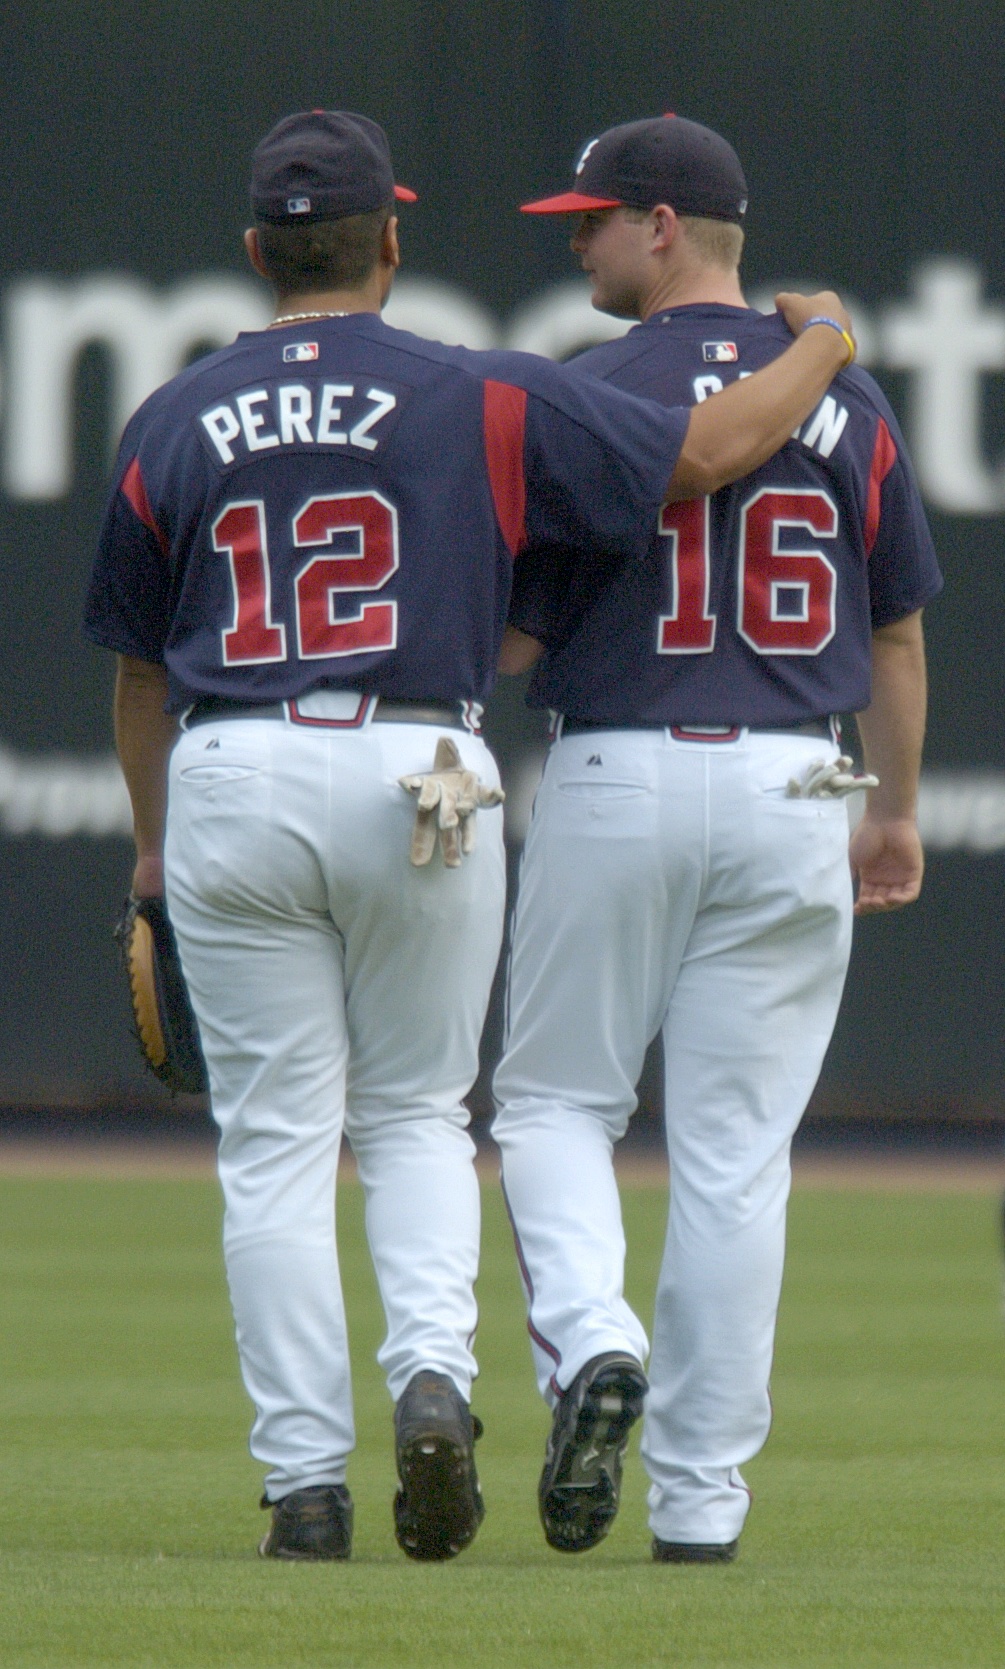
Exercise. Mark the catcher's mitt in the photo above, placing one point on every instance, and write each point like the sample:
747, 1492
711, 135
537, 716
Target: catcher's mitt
164, 1023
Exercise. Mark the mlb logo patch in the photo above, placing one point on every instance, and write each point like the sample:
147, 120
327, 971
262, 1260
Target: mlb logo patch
294, 352
719, 353
298, 205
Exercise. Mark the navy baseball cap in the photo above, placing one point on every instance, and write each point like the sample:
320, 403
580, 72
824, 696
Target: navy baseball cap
665, 159
321, 165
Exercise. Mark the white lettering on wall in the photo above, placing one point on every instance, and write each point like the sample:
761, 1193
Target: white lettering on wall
58, 796
946, 337
562, 321
148, 337
440, 312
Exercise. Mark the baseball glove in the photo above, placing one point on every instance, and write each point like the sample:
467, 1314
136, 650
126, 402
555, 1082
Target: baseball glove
834, 781
447, 798
164, 1023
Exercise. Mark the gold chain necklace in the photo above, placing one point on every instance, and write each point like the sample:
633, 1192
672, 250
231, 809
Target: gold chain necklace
295, 318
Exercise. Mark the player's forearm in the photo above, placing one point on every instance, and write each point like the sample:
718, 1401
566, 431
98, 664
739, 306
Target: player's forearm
743, 426
733, 432
892, 727
144, 737
518, 652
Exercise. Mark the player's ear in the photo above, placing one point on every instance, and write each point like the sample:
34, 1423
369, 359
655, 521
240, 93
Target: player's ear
664, 221
254, 252
390, 254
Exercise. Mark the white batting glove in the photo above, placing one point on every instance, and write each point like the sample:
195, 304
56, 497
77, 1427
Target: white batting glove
447, 798
834, 780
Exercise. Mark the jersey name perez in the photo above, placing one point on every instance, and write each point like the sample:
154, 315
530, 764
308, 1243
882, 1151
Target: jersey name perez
319, 414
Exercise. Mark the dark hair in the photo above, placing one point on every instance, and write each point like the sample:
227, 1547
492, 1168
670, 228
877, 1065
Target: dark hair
324, 254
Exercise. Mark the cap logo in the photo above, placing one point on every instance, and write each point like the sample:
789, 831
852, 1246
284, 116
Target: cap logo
718, 353
298, 205
741, 207
582, 161
293, 352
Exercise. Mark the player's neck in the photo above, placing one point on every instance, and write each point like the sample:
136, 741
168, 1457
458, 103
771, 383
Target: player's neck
712, 285
319, 303
369, 298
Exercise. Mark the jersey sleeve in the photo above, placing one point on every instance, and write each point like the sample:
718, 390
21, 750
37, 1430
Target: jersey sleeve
540, 596
553, 588
598, 466
903, 568
129, 604
574, 461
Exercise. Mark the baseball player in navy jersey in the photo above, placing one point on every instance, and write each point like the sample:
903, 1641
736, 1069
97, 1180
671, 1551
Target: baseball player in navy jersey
305, 568
686, 870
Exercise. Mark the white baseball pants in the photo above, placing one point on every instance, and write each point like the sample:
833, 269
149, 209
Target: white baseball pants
670, 886
336, 987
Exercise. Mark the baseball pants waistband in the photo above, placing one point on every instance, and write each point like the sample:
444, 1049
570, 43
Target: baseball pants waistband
825, 728
336, 710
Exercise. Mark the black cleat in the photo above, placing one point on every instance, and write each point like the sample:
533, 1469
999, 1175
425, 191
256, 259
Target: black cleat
694, 1553
581, 1483
314, 1523
439, 1506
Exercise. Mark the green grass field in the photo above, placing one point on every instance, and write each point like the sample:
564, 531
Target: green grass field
130, 1520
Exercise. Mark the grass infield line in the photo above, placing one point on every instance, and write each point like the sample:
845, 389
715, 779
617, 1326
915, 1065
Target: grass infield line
140, 1159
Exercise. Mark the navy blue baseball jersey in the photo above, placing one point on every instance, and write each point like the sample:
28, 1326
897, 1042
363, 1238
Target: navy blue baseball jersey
337, 503
754, 606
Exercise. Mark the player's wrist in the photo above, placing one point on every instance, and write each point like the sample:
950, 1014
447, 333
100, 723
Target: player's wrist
899, 817
148, 875
834, 324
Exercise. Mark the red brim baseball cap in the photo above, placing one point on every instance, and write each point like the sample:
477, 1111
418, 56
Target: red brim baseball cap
570, 202
664, 159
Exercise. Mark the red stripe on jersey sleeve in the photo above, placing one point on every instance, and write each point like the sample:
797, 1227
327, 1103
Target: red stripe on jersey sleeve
505, 420
134, 489
884, 456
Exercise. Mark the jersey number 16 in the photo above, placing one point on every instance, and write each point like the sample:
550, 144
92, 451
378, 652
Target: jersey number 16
785, 598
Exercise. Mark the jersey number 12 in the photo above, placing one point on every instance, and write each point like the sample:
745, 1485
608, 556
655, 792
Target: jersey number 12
239, 533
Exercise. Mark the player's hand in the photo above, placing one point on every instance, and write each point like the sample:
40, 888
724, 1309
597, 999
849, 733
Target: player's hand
888, 862
447, 798
797, 309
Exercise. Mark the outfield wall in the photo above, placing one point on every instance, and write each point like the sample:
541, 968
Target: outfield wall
874, 154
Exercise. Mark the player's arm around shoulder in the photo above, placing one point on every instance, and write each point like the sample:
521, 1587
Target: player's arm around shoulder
144, 737
740, 428
886, 854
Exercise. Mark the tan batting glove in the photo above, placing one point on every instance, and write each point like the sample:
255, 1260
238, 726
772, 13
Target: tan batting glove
448, 797
834, 780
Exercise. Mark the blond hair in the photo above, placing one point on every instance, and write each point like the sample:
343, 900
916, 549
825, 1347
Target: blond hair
719, 243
